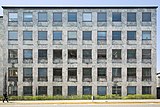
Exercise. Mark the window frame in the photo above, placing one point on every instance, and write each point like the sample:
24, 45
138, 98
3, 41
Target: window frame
70, 14
146, 35
104, 19
115, 15
87, 16
148, 15
27, 35
14, 19
40, 35
87, 35
131, 35
55, 35
15, 34
131, 15
45, 17
27, 19
59, 17
116, 35
101, 36
70, 33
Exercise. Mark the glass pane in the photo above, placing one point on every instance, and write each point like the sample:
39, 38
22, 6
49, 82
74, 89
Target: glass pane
87, 90
42, 16
72, 17
13, 17
12, 35
57, 17
116, 35
101, 35
131, 35
87, 17
27, 72
57, 35
87, 35
27, 35
131, 17
27, 53
72, 90
131, 90
146, 35
72, 35
116, 17
101, 90
102, 17
42, 35
42, 72
27, 17
87, 54
146, 17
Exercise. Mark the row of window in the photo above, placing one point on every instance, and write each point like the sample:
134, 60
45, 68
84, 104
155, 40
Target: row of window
86, 17
72, 35
87, 74
86, 90
72, 55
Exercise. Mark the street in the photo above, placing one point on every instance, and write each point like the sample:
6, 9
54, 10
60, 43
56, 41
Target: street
79, 105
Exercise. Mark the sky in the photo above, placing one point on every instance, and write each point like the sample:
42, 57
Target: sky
93, 2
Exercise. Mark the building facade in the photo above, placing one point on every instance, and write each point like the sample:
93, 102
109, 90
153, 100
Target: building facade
81, 50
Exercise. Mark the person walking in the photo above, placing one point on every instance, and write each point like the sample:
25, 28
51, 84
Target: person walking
5, 97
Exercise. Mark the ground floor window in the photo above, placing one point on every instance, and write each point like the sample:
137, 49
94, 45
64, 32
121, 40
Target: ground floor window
57, 90
72, 90
146, 89
27, 90
87, 90
131, 90
101, 90
42, 90
116, 90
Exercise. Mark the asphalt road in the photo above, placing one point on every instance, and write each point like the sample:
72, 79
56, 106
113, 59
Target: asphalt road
80, 105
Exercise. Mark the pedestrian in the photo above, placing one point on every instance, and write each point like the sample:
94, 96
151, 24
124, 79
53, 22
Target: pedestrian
5, 97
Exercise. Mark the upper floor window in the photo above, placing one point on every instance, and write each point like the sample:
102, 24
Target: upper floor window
42, 74
101, 54
131, 17
87, 54
57, 17
146, 17
27, 35
27, 74
42, 35
13, 35
13, 17
116, 17
13, 55
72, 17
131, 35
101, 35
146, 53
101, 17
87, 35
27, 17
42, 54
87, 17
42, 17
72, 35
116, 54
116, 73
27, 53
57, 35
131, 53
146, 35
116, 35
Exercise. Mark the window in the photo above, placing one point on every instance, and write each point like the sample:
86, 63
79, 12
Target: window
27, 17
72, 54
131, 35
116, 17
57, 35
87, 54
42, 17
87, 90
101, 35
87, 74
146, 74
72, 74
87, 35
131, 53
13, 35
72, 35
116, 73
42, 74
42, 54
13, 56
102, 75
146, 16
116, 35
72, 17
42, 35
57, 74
146, 53
27, 35
57, 17
57, 90
101, 54
131, 17
27, 54
72, 90
13, 74
27, 75
42, 90
13, 17
146, 35
131, 90
101, 17
146, 89
101, 90
131, 74
87, 17
116, 53
57, 55
27, 90
116, 90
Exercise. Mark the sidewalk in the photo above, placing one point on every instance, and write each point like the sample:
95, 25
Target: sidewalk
157, 101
